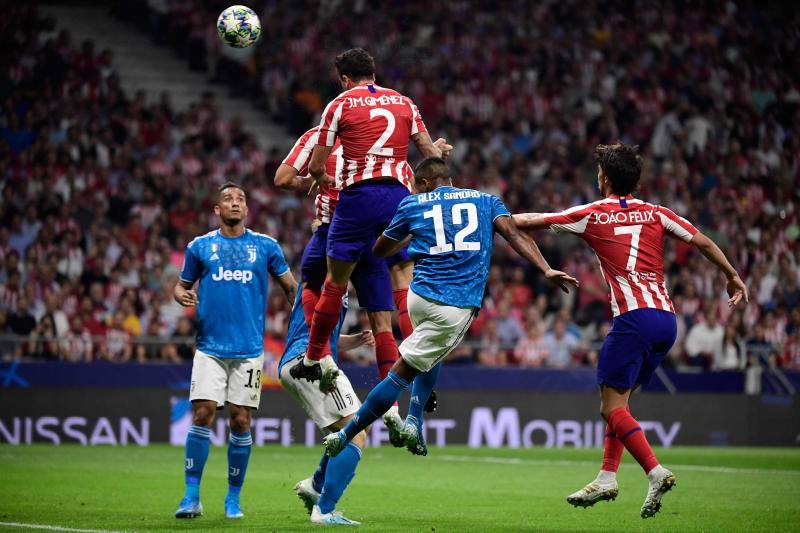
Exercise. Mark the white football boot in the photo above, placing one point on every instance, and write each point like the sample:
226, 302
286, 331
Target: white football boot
661, 481
603, 488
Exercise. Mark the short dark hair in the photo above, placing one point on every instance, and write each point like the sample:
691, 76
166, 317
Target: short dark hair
433, 167
621, 164
230, 185
356, 64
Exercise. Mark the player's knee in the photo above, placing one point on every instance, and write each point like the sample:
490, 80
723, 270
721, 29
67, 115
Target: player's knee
240, 421
203, 415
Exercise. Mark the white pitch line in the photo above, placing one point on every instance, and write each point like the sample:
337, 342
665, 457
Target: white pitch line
53, 528
545, 462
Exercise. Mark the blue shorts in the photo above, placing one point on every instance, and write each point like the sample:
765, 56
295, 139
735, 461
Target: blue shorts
635, 346
362, 213
370, 277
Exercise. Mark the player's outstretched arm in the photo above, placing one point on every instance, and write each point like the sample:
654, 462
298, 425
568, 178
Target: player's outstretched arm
385, 247
737, 291
351, 342
184, 294
427, 148
530, 221
316, 167
526, 247
287, 178
289, 285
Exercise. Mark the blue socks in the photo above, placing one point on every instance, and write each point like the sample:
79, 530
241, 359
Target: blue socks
319, 474
380, 399
197, 444
421, 391
341, 470
238, 456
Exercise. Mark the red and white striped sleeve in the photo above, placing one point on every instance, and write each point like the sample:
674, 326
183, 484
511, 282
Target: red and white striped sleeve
572, 220
301, 151
675, 225
329, 125
417, 124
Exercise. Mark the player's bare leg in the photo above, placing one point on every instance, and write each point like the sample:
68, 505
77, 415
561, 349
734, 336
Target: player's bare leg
197, 446
339, 473
318, 365
238, 457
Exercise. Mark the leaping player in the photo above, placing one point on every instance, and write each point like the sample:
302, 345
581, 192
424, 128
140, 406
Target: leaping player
369, 275
451, 232
374, 125
232, 265
627, 235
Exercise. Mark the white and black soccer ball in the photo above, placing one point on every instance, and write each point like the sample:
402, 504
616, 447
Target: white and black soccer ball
238, 26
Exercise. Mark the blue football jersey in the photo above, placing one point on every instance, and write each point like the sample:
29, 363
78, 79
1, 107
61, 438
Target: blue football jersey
452, 236
232, 294
297, 338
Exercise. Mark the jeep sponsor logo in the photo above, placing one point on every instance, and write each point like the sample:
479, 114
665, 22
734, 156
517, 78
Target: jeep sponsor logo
223, 274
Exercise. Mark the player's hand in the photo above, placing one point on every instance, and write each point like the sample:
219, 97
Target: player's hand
188, 298
443, 147
561, 279
325, 179
737, 291
365, 337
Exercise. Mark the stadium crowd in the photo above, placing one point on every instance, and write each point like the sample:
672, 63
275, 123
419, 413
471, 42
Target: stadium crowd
102, 190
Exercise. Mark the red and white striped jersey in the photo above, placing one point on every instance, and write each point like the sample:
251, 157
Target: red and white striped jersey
374, 125
627, 235
299, 157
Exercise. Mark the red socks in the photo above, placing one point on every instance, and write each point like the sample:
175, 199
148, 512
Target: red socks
326, 316
630, 434
401, 304
612, 451
310, 299
385, 352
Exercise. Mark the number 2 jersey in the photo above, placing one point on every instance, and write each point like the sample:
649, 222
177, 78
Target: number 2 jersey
374, 125
452, 238
627, 235
234, 282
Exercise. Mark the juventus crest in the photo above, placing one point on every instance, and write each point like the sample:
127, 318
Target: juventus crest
251, 253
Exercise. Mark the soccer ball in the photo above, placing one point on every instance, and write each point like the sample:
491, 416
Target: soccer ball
238, 26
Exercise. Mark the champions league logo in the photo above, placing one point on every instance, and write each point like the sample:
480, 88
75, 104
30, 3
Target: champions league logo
251, 253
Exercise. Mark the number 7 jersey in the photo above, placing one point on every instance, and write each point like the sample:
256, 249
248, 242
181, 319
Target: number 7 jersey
452, 236
627, 235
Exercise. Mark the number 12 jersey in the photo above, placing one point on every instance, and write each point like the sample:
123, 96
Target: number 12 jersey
452, 236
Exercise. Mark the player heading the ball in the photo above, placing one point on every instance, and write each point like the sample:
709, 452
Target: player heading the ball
374, 126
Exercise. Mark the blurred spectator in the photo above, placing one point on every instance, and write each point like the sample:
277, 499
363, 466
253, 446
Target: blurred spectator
704, 341
560, 344
531, 350
732, 355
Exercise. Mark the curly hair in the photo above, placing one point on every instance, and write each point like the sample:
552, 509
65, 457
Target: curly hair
356, 64
622, 164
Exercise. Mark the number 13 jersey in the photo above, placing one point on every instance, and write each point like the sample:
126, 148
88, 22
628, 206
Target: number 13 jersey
374, 125
627, 235
452, 235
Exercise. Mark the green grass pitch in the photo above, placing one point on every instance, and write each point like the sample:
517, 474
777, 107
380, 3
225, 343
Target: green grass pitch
453, 489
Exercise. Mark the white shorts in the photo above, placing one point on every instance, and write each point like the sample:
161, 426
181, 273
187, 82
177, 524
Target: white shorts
324, 409
437, 331
236, 381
